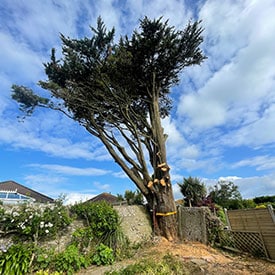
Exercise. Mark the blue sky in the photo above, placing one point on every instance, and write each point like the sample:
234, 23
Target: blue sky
222, 123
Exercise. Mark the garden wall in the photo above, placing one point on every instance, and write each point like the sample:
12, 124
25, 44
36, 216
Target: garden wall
192, 223
136, 225
136, 222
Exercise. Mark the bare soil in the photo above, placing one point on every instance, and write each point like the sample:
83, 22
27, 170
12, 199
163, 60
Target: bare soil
206, 259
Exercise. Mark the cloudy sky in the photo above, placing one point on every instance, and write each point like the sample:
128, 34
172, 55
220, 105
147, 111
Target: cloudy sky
222, 123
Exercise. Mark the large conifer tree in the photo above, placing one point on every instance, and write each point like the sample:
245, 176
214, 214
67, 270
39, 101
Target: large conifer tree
119, 93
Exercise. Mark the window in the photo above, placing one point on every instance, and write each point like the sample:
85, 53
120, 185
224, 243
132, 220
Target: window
11, 197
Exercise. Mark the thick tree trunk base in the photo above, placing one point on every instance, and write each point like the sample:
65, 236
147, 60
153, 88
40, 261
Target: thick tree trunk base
164, 214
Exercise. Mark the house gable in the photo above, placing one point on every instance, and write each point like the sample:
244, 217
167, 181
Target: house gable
18, 190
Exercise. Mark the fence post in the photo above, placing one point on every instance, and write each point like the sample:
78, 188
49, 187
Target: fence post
270, 209
227, 219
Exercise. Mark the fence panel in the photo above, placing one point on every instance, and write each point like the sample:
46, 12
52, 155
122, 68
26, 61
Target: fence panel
253, 230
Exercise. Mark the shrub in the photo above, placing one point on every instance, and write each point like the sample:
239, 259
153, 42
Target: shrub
34, 222
100, 216
69, 261
103, 226
103, 255
82, 237
44, 258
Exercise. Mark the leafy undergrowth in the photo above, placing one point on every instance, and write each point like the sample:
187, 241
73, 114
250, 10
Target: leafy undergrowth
163, 257
167, 265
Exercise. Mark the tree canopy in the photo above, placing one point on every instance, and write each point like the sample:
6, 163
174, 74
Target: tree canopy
226, 194
193, 190
120, 92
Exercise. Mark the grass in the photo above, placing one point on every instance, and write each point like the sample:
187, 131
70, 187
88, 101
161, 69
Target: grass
168, 264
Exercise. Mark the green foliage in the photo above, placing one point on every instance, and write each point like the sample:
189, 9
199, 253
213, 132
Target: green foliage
33, 222
220, 214
215, 226
47, 272
16, 260
118, 242
101, 217
119, 92
103, 255
133, 197
120, 197
69, 261
43, 258
94, 65
248, 203
193, 190
169, 264
103, 226
264, 199
226, 194
29, 100
82, 237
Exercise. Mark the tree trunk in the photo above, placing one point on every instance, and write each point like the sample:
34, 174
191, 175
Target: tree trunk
163, 209
160, 197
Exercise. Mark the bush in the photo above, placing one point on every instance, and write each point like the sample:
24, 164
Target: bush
82, 238
69, 261
101, 217
34, 222
103, 226
103, 255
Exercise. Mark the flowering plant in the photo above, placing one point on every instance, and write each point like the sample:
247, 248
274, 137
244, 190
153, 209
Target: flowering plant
34, 221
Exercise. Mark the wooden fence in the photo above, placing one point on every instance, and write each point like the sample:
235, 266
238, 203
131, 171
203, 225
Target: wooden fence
253, 230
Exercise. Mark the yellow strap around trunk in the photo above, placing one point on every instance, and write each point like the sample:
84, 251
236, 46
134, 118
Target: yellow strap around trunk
166, 214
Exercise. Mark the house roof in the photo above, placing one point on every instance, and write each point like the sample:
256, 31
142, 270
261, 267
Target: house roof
104, 197
14, 186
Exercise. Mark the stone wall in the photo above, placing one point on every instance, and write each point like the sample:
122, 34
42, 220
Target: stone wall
135, 222
192, 223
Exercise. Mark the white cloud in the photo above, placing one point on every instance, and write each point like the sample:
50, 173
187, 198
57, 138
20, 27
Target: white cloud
174, 10
49, 185
50, 138
264, 162
249, 187
229, 178
69, 170
229, 101
256, 133
256, 186
74, 197
19, 62
100, 186
120, 175
245, 79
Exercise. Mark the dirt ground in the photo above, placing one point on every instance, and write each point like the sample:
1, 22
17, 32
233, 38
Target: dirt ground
207, 259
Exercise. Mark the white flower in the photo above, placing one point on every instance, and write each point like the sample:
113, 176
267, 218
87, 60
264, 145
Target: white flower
42, 224
50, 224
15, 214
47, 231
